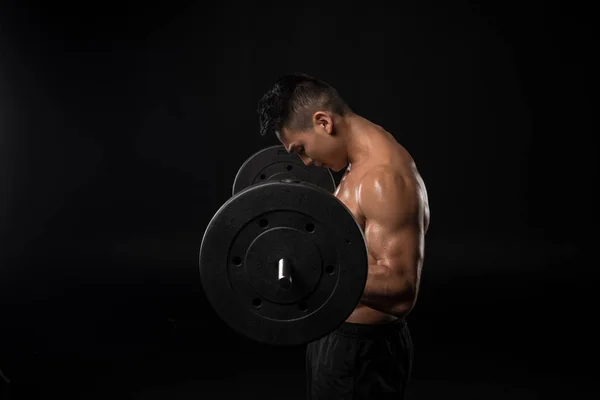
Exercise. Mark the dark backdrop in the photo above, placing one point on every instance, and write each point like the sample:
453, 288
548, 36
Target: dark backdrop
122, 126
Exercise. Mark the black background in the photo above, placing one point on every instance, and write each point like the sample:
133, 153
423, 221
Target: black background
122, 126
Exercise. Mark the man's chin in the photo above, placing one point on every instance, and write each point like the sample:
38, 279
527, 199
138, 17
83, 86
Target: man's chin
335, 168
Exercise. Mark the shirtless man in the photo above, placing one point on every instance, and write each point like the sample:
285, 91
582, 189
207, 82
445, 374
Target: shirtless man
370, 355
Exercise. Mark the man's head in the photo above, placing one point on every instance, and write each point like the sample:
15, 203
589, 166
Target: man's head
307, 116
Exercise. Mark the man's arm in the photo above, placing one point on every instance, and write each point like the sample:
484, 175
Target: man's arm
394, 211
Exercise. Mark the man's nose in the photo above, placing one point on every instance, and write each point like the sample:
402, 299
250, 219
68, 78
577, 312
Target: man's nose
306, 160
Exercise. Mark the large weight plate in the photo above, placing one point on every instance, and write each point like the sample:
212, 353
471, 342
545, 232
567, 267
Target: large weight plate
303, 224
275, 164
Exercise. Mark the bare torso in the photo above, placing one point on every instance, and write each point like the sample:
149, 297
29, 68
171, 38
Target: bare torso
389, 153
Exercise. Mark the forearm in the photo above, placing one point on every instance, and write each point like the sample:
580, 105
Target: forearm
386, 291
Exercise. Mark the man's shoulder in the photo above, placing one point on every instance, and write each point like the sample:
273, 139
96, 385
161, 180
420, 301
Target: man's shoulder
383, 183
382, 175
378, 182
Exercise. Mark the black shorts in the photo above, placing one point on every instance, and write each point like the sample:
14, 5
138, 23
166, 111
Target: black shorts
359, 361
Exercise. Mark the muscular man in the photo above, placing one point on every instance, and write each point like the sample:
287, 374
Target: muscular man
370, 355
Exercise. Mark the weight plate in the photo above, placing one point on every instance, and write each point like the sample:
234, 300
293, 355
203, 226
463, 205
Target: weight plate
272, 227
275, 164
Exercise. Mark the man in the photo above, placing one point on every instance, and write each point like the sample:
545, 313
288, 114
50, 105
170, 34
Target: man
370, 355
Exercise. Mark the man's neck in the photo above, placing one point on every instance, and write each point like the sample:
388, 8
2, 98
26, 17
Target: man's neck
358, 132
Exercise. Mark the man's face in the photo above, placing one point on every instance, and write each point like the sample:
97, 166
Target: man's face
318, 145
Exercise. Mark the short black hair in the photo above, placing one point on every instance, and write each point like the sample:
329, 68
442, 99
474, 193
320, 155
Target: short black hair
292, 100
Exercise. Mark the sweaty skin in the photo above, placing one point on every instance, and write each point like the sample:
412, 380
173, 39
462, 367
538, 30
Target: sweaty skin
387, 196
389, 201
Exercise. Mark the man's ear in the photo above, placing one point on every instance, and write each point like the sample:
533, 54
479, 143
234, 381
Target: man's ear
322, 122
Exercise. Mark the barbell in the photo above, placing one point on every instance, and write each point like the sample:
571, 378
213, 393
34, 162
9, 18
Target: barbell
283, 261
